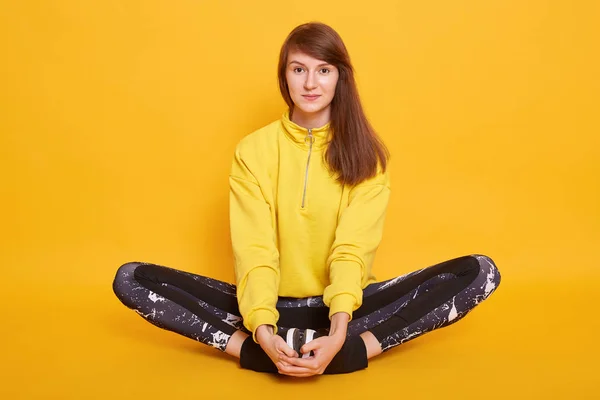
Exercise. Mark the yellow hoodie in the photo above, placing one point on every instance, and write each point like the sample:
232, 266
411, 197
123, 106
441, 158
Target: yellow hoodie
295, 231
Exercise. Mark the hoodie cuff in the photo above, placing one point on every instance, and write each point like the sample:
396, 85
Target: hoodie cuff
342, 303
258, 318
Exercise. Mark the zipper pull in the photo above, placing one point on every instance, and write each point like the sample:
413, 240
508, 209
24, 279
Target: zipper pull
310, 137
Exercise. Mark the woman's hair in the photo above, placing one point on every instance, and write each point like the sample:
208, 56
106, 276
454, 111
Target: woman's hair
355, 149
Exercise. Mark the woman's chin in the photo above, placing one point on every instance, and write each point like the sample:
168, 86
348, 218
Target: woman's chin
310, 109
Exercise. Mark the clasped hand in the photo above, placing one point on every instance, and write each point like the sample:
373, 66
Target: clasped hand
324, 349
287, 361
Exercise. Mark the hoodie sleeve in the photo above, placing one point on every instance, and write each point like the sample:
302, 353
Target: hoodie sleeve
357, 238
254, 248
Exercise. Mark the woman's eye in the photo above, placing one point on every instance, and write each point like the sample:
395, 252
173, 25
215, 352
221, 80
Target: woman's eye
298, 69
325, 70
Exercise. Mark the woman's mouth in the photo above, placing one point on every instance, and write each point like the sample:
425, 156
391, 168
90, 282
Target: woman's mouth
311, 97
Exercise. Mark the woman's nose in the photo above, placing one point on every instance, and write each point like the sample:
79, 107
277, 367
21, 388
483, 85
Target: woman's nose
310, 82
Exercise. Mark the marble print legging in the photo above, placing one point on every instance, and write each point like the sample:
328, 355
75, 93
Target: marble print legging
395, 311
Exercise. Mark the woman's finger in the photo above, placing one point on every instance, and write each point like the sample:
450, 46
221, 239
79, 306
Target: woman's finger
291, 369
288, 372
310, 346
298, 375
289, 360
309, 363
282, 362
283, 348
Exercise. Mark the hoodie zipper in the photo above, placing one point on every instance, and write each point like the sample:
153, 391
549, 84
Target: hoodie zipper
311, 140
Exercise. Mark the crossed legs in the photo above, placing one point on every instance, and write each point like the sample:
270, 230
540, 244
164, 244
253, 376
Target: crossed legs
393, 311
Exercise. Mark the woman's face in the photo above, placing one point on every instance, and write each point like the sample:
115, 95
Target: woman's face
311, 82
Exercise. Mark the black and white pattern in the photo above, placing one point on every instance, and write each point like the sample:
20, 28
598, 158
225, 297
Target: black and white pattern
215, 316
169, 315
451, 311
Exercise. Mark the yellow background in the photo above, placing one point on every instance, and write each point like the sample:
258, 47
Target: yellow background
118, 121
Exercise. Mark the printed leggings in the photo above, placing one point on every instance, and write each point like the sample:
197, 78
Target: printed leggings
395, 311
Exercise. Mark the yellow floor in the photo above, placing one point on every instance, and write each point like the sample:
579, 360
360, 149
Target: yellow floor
118, 121
530, 339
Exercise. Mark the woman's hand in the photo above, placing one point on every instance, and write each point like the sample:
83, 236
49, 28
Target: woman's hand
324, 349
274, 346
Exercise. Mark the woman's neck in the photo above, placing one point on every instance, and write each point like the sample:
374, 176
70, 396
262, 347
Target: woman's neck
310, 120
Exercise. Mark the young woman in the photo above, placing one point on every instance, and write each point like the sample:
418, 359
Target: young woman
308, 197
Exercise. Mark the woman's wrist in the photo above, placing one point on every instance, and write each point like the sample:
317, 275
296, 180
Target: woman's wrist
264, 331
339, 325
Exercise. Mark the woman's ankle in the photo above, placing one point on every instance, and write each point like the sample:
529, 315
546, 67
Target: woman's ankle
372, 344
234, 346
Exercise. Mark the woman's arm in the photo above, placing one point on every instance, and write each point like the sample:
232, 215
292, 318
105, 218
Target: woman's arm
357, 237
254, 248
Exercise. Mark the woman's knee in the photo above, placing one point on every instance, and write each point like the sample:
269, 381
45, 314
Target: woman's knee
490, 270
122, 284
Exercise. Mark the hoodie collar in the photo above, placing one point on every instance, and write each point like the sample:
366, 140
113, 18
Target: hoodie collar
299, 134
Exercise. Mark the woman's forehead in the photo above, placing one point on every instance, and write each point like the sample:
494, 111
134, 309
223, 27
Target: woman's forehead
303, 58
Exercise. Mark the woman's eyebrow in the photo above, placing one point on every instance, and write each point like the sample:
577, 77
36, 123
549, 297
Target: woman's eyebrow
298, 62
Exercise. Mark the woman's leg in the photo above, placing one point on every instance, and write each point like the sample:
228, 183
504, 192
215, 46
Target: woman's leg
195, 306
198, 307
464, 281
403, 308
397, 310
392, 313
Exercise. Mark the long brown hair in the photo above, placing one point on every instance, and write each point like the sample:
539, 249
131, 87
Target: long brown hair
355, 150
